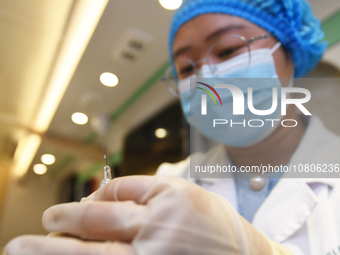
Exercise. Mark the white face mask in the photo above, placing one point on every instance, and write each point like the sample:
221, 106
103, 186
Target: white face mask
262, 66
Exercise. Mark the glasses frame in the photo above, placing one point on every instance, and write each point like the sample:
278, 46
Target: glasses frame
206, 59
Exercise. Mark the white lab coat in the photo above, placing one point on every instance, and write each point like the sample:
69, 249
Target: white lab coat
303, 214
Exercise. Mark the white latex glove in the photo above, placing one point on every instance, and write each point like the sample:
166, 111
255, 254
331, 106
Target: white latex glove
148, 215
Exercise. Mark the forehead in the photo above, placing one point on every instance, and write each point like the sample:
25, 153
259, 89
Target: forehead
198, 30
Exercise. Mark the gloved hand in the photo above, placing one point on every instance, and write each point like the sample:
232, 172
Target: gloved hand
147, 215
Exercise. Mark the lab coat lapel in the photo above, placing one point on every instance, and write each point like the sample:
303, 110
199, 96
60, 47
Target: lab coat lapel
286, 209
292, 201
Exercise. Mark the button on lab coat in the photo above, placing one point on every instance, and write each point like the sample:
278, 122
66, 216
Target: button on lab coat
301, 213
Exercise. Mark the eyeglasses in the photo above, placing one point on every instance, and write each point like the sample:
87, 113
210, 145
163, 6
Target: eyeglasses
221, 51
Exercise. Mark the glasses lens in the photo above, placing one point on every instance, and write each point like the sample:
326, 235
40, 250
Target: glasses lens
170, 81
184, 69
226, 49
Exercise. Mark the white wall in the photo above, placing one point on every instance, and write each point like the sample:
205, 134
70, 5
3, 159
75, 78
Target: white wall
24, 206
332, 55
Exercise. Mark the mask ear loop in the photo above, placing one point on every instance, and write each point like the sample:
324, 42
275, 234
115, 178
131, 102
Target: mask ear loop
275, 48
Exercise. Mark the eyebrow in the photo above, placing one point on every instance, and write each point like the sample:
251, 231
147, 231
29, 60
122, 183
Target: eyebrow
213, 35
181, 51
223, 30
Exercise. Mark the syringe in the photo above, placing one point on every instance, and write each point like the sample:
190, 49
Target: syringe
107, 172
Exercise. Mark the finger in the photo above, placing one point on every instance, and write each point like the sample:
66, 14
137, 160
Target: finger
58, 234
38, 245
96, 220
123, 189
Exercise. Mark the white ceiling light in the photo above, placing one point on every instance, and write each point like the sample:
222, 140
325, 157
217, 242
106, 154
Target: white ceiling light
171, 4
109, 79
160, 133
79, 32
24, 154
40, 169
79, 118
48, 159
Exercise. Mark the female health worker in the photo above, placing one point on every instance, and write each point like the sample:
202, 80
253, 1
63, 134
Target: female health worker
166, 214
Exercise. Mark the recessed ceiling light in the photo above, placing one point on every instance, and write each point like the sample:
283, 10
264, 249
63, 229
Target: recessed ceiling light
109, 79
40, 169
79, 118
160, 133
171, 4
48, 159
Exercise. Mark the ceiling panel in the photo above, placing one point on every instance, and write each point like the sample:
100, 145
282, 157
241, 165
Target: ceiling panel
30, 35
31, 31
325, 8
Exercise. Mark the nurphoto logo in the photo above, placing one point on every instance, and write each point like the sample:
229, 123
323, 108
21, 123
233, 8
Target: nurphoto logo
239, 103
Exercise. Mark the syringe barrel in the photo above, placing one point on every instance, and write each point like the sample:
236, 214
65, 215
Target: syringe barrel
107, 176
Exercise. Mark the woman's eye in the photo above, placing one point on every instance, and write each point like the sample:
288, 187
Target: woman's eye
186, 70
227, 52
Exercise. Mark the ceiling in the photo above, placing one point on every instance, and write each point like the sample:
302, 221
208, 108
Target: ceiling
31, 34
324, 9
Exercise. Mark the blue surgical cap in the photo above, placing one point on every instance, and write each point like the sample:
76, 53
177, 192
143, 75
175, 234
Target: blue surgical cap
291, 21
